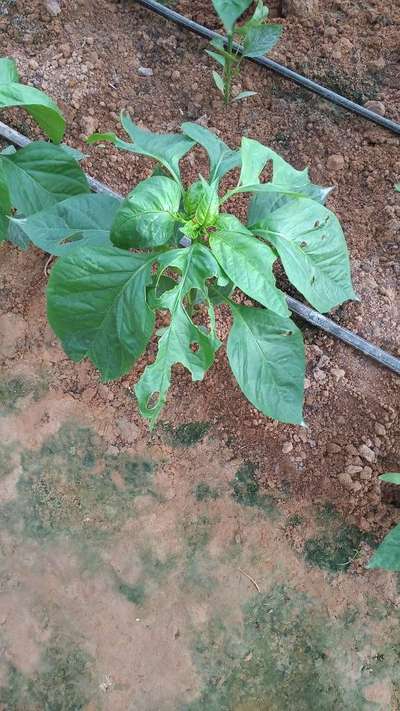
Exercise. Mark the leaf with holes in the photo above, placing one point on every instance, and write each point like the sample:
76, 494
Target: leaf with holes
310, 242
84, 220
182, 341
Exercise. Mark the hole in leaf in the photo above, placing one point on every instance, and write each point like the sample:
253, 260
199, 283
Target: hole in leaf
267, 173
75, 237
288, 333
316, 224
194, 347
312, 280
153, 400
303, 244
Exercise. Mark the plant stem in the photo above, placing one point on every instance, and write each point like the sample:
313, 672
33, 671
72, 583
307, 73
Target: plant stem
228, 70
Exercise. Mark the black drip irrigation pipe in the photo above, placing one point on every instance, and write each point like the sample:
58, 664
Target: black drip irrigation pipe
305, 312
285, 72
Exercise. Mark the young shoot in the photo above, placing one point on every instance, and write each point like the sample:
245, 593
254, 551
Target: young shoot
256, 37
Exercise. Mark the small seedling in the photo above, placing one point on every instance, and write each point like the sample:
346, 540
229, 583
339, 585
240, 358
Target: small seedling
256, 37
387, 555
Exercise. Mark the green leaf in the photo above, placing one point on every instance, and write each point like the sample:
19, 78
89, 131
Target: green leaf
40, 175
221, 157
387, 555
230, 10
190, 229
16, 236
397, 187
266, 354
192, 197
196, 264
97, 307
244, 95
259, 16
8, 71
167, 149
83, 220
147, 217
219, 82
391, 477
285, 179
32, 179
254, 158
260, 40
42, 109
5, 203
73, 152
208, 205
260, 13
218, 57
310, 242
248, 263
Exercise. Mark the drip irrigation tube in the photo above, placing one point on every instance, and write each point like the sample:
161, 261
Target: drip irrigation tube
305, 312
285, 72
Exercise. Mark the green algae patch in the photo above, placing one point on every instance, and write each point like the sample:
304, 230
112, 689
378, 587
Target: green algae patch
336, 544
294, 521
133, 593
68, 487
188, 434
64, 681
198, 574
246, 491
204, 492
287, 655
14, 389
6, 460
153, 574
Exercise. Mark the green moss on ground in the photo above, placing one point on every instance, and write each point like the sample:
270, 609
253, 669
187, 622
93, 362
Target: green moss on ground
246, 490
67, 487
14, 389
288, 655
188, 434
63, 682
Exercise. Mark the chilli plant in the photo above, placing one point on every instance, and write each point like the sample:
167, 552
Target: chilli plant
178, 249
387, 555
256, 37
